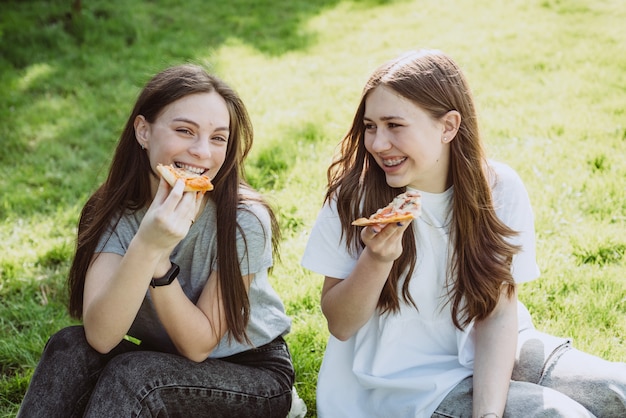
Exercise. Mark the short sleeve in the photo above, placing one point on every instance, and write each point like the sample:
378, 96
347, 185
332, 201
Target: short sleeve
326, 252
254, 239
513, 207
117, 237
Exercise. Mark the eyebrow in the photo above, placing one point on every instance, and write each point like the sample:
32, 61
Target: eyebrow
384, 118
221, 128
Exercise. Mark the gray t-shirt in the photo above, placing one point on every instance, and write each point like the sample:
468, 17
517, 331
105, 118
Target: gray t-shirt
196, 255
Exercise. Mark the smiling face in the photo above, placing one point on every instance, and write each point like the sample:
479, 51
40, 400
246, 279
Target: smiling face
191, 133
408, 144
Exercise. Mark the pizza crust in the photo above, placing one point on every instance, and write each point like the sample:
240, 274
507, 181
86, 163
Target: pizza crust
193, 182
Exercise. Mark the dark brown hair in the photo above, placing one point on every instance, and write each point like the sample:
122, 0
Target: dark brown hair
481, 257
128, 187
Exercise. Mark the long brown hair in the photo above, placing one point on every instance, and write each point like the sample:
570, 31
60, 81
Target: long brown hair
128, 187
481, 256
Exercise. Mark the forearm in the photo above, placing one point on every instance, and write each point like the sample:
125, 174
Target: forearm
192, 331
348, 304
496, 342
115, 288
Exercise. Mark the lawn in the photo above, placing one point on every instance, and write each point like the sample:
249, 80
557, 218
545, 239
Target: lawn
549, 79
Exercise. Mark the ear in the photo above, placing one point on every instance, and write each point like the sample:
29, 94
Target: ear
141, 131
450, 122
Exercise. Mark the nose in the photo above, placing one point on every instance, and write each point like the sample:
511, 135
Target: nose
201, 147
380, 141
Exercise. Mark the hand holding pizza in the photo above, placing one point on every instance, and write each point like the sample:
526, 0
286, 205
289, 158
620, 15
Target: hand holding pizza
170, 215
382, 239
404, 207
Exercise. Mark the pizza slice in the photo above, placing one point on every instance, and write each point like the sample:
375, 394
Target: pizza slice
193, 182
403, 207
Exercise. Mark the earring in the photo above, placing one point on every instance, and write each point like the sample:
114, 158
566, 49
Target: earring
142, 147
445, 140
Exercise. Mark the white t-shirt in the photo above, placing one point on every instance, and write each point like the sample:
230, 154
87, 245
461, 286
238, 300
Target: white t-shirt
404, 364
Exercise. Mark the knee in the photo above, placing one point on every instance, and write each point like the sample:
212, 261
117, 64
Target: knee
124, 369
67, 345
602, 392
69, 338
619, 376
532, 400
608, 382
614, 391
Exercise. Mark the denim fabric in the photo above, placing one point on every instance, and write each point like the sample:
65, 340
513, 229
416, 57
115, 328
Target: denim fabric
552, 379
73, 380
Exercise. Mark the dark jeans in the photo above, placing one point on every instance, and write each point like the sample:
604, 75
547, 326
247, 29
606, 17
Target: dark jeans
74, 380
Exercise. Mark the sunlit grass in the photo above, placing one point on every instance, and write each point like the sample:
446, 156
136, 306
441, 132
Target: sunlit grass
549, 79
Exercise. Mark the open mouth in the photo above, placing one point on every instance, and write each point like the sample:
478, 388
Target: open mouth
191, 169
393, 162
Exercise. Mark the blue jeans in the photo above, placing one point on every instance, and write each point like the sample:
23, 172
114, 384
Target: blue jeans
551, 379
74, 380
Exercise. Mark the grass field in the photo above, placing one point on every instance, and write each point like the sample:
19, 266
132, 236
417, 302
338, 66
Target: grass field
549, 78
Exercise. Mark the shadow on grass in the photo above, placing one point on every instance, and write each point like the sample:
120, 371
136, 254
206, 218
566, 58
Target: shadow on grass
68, 80
270, 26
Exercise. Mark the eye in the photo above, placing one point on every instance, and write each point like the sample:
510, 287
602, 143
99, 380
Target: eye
369, 126
184, 130
393, 125
220, 138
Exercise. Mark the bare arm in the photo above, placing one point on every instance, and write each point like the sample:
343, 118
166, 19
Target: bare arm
115, 285
195, 329
496, 342
349, 303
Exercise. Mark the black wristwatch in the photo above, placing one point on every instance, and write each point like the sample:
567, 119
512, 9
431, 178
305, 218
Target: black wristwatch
169, 277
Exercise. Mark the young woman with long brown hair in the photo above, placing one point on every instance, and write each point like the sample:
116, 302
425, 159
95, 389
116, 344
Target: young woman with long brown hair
179, 318
423, 315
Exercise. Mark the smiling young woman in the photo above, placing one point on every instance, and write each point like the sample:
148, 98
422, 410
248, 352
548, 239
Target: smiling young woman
423, 315
172, 285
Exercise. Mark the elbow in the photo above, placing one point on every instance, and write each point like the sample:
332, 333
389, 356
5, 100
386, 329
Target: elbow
196, 357
98, 344
340, 334
98, 335
338, 329
341, 337
195, 352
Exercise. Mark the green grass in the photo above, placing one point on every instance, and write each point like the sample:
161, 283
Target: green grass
549, 79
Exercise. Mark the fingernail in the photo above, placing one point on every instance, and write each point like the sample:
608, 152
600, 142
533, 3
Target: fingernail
399, 224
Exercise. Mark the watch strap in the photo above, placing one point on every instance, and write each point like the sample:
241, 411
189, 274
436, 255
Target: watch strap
169, 277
